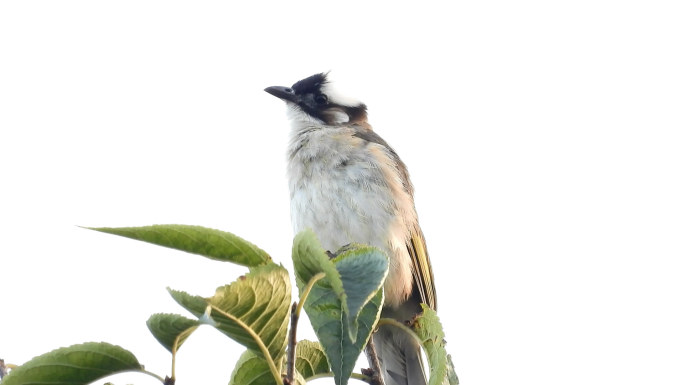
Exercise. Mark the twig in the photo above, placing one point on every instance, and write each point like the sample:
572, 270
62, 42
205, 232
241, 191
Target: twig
291, 345
294, 318
372, 355
3, 369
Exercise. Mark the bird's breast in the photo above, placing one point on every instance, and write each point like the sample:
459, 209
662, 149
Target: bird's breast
348, 190
338, 190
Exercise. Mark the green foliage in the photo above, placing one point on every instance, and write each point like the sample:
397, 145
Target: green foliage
311, 359
251, 369
254, 310
214, 244
429, 330
452, 378
74, 365
341, 295
171, 330
328, 305
363, 270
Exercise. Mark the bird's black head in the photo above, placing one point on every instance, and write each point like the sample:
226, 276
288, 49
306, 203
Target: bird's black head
316, 98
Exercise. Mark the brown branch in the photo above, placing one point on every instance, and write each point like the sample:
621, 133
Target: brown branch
3, 369
291, 345
375, 373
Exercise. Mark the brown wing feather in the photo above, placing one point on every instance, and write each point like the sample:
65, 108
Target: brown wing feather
422, 270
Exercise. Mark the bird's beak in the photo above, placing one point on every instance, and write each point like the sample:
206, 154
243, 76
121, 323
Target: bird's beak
283, 93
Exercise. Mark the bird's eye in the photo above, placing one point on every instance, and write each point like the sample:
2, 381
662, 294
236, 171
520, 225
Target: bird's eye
321, 99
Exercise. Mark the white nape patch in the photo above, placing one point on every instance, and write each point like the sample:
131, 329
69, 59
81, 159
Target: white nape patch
336, 97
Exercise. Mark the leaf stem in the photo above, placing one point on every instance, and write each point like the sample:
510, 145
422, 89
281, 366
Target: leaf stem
307, 290
264, 350
180, 337
158, 377
400, 325
356, 376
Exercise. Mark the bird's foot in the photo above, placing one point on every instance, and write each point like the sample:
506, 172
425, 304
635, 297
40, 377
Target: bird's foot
375, 378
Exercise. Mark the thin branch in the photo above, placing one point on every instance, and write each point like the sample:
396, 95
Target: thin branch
371, 353
294, 319
292, 344
3, 369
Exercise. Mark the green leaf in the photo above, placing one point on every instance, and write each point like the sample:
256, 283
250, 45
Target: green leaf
451, 372
195, 304
254, 309
355, 274
327, 304
171, 330
363, 270
210, 243
310, 258
74, 365
310, 359
325, 313
251, 369
429, 330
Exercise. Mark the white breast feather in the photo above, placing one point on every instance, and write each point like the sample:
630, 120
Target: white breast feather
362, 202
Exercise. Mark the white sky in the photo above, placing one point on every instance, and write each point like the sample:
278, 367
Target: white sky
544, 140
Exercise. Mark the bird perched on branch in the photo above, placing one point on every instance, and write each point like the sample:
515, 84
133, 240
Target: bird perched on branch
349, 186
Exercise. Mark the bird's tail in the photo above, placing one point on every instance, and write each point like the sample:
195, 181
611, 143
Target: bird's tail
399, 355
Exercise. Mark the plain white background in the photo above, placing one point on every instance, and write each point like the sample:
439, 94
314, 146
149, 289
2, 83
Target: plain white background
544, 140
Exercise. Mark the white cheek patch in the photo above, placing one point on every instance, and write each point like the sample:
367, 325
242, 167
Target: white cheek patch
295, 114
336, 116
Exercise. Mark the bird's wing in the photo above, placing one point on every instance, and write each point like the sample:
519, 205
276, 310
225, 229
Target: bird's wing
422, 269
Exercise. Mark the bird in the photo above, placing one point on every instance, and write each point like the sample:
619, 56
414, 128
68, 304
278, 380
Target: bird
349, 186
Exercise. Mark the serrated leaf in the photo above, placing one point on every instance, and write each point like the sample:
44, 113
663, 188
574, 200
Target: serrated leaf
310, 359
171, 330
430, 331
309, 259
193, 303
327, 305
251, 369
74, 365
325, 314
258, 303
452, 378
362, 270
210, 243
355, 274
